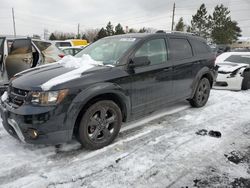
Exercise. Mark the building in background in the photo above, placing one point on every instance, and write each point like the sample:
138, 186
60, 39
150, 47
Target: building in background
242, 42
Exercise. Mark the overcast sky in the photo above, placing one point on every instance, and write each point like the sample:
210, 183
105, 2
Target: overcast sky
33, 16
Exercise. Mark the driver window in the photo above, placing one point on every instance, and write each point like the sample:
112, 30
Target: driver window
155, 50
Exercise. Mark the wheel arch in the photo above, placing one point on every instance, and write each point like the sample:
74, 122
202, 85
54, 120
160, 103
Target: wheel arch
105, 91
203, 73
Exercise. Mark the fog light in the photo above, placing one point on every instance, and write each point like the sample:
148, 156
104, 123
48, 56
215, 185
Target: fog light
33, 133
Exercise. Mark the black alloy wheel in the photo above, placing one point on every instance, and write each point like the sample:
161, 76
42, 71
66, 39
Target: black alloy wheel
202, 93
246, 80
100, 124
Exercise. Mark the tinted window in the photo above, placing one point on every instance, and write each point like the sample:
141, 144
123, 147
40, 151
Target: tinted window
180, 49
239, 59
21, 46
155, 50
200, 47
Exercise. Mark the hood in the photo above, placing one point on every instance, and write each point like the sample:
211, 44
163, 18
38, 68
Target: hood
228, 67
47, 76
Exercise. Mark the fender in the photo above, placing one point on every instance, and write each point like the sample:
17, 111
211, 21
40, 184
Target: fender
202, 72
87, 94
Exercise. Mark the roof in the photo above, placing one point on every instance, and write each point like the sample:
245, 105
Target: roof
173, 33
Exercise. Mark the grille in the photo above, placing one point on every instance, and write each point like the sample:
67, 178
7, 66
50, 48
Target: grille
17, 96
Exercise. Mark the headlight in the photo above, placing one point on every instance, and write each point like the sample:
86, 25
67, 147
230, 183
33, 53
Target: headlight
48, 97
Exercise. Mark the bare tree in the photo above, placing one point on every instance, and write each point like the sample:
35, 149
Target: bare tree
91, 34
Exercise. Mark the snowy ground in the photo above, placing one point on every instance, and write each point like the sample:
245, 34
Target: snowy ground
165, 150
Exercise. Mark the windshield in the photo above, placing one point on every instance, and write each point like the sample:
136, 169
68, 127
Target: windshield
239, 59
108, 50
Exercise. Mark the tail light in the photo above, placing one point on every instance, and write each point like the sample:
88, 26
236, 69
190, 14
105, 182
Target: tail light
61, 55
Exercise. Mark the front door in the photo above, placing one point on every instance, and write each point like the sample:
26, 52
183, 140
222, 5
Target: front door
20, 57
151, 85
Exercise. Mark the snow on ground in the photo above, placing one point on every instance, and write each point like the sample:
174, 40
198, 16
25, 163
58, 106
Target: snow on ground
171, 148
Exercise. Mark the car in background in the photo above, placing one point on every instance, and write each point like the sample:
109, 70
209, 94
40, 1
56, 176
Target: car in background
25, 53
240, 50
71, 50
233, 71
61, 43
78, 42
70, 43
3, 56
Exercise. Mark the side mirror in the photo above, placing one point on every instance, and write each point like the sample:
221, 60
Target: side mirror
139, 62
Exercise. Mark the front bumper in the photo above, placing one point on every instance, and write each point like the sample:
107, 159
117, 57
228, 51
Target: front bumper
49, 122
225, 81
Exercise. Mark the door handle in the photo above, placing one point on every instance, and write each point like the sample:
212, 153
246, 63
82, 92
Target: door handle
168, 69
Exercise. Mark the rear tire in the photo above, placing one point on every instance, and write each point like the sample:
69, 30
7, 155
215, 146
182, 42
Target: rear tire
201, 94
246, 81
100, 125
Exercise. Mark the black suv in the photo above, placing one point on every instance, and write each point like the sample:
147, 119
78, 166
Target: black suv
114, 80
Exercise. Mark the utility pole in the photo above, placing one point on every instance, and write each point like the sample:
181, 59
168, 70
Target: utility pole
14, 24
172, 28
78, 30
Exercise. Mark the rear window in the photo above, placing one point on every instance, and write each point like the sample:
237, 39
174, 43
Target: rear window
180, 49
41, 45
21, 46
200, 47
63, 44
239, 59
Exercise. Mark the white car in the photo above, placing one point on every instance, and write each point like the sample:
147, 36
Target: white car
233, 71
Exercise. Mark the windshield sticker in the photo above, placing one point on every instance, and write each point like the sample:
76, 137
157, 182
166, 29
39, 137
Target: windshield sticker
128, 39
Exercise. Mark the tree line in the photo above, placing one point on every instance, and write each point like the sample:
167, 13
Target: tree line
217, 27
95, 34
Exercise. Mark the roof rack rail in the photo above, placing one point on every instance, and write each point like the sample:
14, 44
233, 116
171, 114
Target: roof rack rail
177, 32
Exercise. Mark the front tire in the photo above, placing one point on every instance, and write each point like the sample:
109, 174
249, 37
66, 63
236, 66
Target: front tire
246, 81
100, 125
201, 94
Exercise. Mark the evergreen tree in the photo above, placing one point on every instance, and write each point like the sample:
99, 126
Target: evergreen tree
119, 30
199, 22
132, 30
52, 37
109, 29
101, 34
180, 26
143, 30
84, 37
78, 36
223, 29
189, 29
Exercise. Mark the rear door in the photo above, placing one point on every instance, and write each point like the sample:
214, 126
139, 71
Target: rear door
181, 55
151, 85
20, 57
